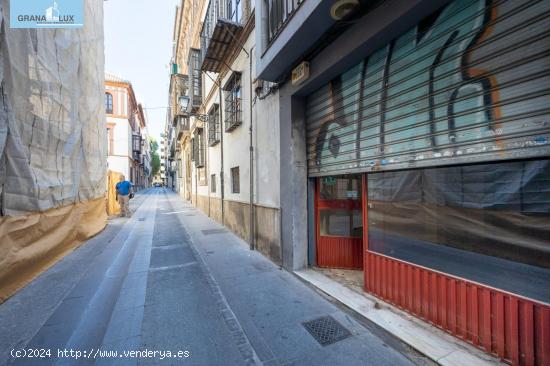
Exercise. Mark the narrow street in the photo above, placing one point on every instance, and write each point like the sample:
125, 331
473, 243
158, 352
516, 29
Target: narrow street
180, 289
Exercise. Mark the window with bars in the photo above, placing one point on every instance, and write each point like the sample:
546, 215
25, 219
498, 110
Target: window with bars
214, 125
235, 180
109, 103
199, 148
233, 102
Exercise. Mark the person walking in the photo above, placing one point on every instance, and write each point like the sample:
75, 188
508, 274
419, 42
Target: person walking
123, 191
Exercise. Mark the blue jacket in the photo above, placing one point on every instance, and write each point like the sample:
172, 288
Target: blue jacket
123, 188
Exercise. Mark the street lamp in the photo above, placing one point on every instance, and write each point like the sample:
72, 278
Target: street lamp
183, 102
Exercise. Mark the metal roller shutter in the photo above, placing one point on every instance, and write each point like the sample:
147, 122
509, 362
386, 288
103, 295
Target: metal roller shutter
470, 83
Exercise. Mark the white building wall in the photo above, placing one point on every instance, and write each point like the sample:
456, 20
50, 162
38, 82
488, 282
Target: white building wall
119, 158
266, 151
237, 142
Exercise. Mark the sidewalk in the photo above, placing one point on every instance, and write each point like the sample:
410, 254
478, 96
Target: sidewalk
271, 304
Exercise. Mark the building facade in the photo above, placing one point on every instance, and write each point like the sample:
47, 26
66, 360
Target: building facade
415, 138
404, 141
128, 140
224, 158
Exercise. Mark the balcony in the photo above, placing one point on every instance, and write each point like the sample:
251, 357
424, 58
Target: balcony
136, 146
179, 86
182, 126
195, 79
290, 29
222, 27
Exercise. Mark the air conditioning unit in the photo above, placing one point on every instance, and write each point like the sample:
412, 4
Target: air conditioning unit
300, 73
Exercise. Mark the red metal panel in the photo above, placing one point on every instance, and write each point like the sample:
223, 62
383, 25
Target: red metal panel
526, 331
486, 319
443, 301
499, 324
417, 293
474, 315
452, 305
340, 252
514, 331
463, 310
513, 328
410, 288
542, 325
433, 300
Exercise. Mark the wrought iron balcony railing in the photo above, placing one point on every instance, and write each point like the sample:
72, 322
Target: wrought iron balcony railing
279, 14
220, 30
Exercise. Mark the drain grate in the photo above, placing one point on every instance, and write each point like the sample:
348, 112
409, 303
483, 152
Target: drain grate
141, 219
213, 231
326, 330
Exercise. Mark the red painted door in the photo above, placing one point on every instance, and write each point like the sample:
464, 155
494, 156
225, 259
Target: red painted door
339, 225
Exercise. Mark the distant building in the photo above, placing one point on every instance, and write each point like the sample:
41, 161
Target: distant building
128, 141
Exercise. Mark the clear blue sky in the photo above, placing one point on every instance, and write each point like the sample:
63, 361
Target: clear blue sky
138, 48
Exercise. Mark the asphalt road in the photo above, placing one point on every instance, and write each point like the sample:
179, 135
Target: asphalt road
162, 288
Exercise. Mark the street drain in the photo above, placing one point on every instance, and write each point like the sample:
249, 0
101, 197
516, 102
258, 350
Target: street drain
213, 231
141, 219
190, 215
326, 330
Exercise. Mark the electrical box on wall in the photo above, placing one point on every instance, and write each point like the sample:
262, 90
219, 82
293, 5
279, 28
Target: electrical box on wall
300, 73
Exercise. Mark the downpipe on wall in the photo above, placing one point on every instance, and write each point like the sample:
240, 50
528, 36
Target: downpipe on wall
251, 209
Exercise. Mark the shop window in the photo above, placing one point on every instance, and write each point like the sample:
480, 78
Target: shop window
108, 103
214, 125
487, 223
235, 180
233, 108
344, 223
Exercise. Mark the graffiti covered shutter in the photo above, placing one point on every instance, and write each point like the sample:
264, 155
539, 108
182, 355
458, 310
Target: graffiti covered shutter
470, 83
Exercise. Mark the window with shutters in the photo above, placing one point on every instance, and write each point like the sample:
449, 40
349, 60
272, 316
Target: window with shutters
235, 180
195, 81
213, 183
108, 103
199, 148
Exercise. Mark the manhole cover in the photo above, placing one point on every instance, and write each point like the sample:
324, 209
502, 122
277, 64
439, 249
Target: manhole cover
213, 231
326, 330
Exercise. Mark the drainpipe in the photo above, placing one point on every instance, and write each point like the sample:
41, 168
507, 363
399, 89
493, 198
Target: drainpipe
221, 147
252, 225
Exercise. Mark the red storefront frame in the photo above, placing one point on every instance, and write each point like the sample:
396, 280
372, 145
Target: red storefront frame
337, 251
511, 327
